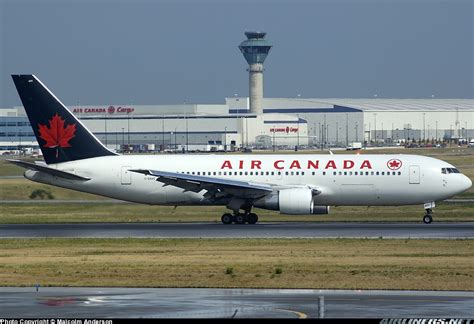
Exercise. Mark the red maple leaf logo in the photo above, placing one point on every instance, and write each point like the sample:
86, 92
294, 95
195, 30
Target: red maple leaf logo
56, 135
394, 164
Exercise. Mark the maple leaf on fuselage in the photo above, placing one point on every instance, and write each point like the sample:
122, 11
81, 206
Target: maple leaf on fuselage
56, 135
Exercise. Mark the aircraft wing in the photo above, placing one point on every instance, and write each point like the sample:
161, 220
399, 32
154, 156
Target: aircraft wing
45, 169
214, 186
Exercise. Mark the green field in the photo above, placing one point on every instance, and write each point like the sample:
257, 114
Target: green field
21, 189
243, 263
79, 213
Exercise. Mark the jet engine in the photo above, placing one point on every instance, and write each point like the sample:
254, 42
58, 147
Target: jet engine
295, 201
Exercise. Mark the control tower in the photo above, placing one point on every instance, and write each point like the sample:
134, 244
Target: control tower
255, 50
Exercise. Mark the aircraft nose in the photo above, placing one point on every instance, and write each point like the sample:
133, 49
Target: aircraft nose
467, 183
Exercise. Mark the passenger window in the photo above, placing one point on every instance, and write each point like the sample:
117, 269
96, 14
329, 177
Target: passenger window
334, 173
302, 172
312, 173
286, 172
273, 173
324, 172
355, 172
383, 172
246, 173
399, 173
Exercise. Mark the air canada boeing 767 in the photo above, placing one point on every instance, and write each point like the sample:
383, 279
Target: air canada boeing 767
292, 184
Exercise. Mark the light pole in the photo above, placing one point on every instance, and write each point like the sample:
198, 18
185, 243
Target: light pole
163, 132
327, 135
324, 130
424, 134
187, 140
347, 129
225, 139
320, 134
375, 127
273, 138
123, 139
171, 140
337, 133
175, 142
105, 121
298, 132
357, 131
128, 128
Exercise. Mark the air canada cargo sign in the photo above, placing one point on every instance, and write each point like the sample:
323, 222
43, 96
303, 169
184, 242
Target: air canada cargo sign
286, 129
104, 110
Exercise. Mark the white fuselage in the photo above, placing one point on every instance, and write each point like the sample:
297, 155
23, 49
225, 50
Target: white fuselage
341, 179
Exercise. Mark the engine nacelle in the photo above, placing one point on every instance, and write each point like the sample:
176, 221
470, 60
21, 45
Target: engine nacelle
295, 201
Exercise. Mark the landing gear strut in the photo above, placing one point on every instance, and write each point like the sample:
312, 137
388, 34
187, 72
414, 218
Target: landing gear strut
427, 219
239, 218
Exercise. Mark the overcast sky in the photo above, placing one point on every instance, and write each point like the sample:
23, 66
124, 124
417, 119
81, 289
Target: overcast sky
169, 52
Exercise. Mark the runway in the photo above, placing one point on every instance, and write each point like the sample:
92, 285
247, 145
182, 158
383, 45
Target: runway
237, 303
261, 230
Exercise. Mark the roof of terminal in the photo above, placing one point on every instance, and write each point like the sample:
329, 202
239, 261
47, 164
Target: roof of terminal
368, 104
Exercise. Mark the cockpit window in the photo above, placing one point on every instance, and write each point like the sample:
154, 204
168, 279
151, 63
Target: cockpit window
449, 170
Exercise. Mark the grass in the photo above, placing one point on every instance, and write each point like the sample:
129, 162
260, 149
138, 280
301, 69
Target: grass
243, 263
101, 212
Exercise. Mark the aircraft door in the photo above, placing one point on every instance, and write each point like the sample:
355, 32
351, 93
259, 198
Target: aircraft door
414, 174
126, 176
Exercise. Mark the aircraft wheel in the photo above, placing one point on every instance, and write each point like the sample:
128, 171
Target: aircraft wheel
253, 218
427, 219
226, 219
240, 219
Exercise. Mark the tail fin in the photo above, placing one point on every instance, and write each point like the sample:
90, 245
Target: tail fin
60, 135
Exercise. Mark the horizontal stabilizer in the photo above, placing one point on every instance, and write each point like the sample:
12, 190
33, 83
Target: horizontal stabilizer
45, 169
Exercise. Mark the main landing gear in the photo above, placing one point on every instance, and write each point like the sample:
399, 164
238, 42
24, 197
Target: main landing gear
239, 218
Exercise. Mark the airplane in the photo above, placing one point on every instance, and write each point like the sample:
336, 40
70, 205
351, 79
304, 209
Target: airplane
292, 184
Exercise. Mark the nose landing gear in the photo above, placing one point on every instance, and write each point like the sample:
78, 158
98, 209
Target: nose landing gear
428, 218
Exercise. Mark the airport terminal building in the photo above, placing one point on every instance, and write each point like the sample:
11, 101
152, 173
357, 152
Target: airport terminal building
284, 123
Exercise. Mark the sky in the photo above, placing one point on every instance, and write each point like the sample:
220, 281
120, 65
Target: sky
100, 52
